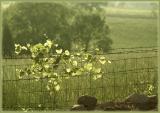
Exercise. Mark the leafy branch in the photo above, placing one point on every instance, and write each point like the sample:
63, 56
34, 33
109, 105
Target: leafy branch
52, 62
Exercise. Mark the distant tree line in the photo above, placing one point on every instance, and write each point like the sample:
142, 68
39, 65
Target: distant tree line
74, 26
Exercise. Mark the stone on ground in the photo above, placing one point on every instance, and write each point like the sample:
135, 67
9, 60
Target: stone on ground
89, 102
78, 108
142, 102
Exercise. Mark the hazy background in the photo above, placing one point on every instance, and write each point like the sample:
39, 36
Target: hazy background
114, 24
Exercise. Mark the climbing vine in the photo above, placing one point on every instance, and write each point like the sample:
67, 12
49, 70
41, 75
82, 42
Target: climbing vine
50, 61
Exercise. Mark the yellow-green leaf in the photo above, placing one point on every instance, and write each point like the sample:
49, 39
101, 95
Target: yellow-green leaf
55, 74
109, 61
68, 70
95, 77
97, 49
67, 52
28, 45
18, 48
56, 45
75, 63
46, 66
88, 66
48, 88
48, 43
78, 72
55, 83
24, 48
58, 51
97, 70
57, 87
99, 75
102, 60
39, 105
78, 54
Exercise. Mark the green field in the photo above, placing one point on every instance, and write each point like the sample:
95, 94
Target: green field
131, 32
132, 27
131, 12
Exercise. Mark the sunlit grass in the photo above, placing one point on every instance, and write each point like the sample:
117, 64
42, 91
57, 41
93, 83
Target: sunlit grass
129, 12
132, 32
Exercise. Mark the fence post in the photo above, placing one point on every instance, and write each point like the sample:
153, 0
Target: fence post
102, 86
126, 79
114, 85
1, 60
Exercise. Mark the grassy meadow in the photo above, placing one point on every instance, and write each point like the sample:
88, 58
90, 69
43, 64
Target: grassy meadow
133, 12
132, 28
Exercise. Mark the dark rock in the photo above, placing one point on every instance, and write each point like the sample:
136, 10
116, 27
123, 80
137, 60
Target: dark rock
122, 106
142, 102
152, 102
109, 109
136, 98
112, 106
89, 102
153, 99
78, 108
105, 106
